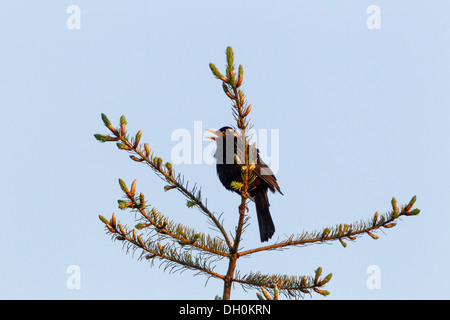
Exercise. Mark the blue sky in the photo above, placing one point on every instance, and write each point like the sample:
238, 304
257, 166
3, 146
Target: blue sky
362, 116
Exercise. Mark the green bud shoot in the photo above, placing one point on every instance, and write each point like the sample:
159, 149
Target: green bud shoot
106, 120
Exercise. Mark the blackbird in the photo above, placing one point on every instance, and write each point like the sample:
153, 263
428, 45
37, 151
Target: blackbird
229, 166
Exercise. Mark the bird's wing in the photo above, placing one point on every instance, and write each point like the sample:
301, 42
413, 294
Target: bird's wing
265, 173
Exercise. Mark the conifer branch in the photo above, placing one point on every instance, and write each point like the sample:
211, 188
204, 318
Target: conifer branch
167, 253
290, 286
343, 232
167, 229
166, 172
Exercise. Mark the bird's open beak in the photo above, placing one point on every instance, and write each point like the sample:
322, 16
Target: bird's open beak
217, 133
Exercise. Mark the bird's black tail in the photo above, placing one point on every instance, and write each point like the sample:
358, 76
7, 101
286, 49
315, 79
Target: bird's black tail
266, 226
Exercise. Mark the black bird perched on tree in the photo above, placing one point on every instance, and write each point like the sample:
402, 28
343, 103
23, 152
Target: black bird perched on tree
229, 169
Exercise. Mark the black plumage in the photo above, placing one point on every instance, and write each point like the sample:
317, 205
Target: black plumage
229, 170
